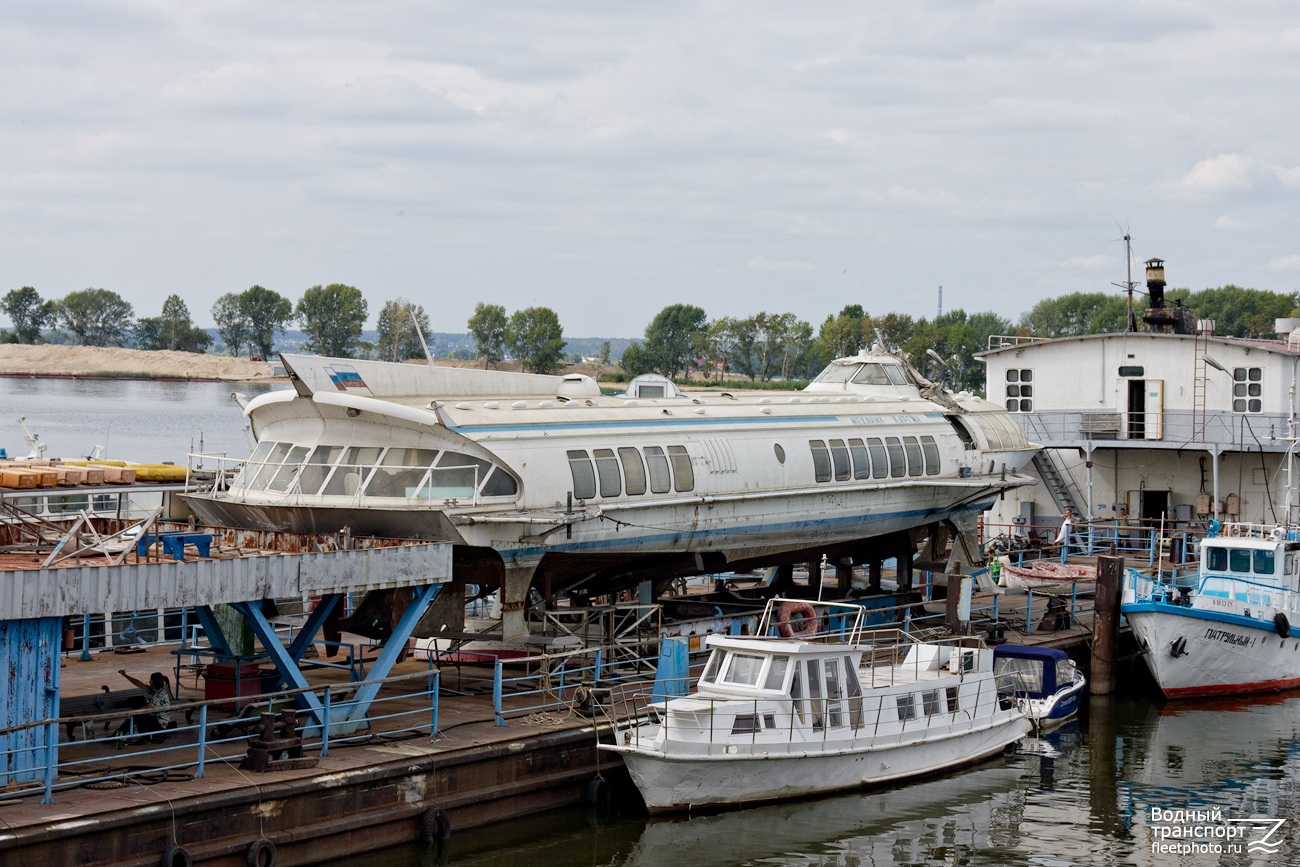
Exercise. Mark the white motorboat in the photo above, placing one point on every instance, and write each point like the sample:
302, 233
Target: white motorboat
1045, 682
831, 707
1229, 630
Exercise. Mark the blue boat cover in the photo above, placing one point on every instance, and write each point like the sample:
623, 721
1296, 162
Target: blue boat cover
1022, 651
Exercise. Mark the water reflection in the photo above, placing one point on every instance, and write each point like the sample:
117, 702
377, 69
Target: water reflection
1081, 795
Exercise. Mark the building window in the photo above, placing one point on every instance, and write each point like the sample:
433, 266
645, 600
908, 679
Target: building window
1247, 389
1020, 390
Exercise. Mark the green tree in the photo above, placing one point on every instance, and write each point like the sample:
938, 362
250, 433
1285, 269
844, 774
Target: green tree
400, 325
731, 345
232, 322
487, 326
1079, 313
157, 332
842, 335
1238, 312
635, 360
96, 317
268, 313
535, 339
603, 358
175, 320
28, 312
675, 337
333, 317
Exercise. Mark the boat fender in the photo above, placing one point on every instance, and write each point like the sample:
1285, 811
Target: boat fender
261, 853
795, 618
435, 826
1281, 625
597, 794
175, 856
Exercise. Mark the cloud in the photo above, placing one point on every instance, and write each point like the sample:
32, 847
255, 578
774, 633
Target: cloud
1090, 263
1226, 222
1230, 174
758, 263
1285, 263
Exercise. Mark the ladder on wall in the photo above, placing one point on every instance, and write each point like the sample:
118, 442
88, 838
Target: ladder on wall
1200, 379
1057, 485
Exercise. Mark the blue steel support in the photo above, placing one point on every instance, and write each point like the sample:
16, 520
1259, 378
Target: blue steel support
309, 629
285, 665
212, 629
421, 599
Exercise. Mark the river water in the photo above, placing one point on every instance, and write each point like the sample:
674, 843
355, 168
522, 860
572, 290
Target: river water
1130, 773
134, 419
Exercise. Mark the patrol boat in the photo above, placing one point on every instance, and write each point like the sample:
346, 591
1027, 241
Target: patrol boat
1229, 630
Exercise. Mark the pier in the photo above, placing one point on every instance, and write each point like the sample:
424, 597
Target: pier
418, 747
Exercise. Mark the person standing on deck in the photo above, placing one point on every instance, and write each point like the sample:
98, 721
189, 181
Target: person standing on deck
1063, 535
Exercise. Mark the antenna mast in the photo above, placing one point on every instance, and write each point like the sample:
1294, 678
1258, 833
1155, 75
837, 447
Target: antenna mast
940, 300
1128, 279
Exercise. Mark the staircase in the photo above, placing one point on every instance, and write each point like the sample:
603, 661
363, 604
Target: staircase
1057, 484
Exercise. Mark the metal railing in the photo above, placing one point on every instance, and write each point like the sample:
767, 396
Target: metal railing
785, 724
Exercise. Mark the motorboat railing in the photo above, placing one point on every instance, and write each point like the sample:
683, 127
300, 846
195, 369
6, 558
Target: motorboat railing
721, 726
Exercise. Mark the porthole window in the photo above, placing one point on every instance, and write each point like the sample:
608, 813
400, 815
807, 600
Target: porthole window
780, 453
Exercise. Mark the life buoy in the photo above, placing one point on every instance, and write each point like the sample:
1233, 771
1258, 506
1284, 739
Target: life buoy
435, 826
1281, 625
795, 618
175, 856
262, 853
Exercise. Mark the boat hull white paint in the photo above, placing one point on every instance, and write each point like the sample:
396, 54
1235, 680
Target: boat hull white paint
677, 783
1214, 656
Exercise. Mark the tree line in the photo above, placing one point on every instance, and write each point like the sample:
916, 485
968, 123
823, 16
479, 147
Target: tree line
680, 341
333, 317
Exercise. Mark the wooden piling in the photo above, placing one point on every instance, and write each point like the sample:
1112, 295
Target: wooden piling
1105, 624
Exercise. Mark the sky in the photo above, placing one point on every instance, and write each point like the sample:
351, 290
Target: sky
606, 159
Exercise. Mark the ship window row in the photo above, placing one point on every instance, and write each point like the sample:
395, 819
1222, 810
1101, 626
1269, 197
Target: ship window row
372, 471
613, 472
1242, 560
874, 458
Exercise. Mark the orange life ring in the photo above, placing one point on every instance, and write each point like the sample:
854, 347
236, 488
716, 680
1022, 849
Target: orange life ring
795, 619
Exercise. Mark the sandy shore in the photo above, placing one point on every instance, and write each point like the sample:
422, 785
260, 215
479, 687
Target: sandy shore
17, 359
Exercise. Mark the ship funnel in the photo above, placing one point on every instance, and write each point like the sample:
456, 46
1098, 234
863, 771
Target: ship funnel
1156, 282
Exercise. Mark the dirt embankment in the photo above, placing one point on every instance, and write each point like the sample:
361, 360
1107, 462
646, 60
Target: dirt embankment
19, 359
